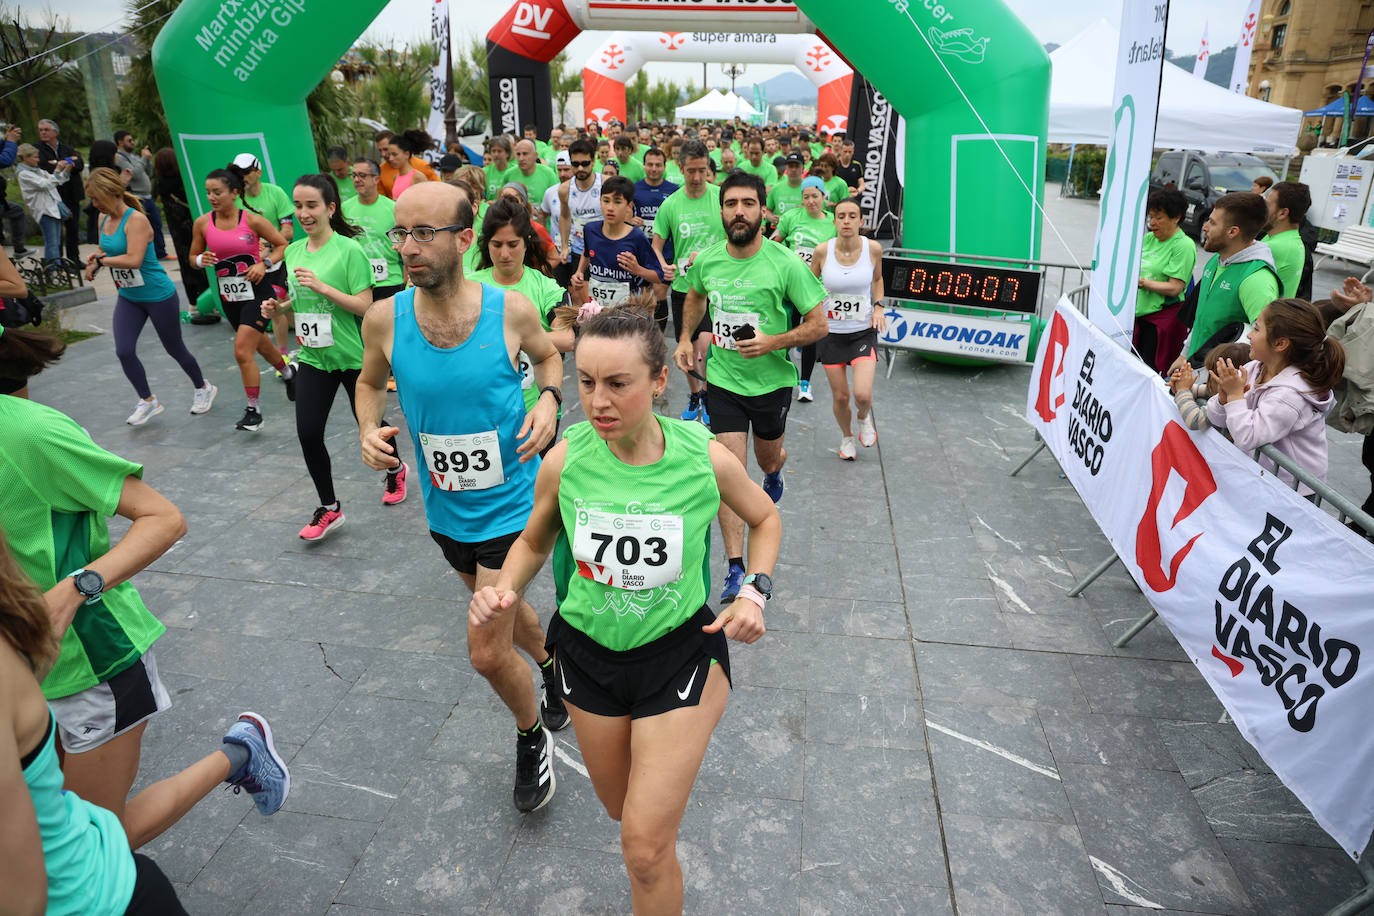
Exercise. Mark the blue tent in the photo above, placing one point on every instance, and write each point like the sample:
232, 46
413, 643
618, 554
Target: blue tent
1364, 108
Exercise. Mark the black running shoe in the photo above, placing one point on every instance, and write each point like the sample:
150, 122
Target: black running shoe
252, 420
551, 708
534, 781
290, 381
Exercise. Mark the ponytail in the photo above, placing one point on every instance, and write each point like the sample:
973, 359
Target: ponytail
106, 182
1328, 365
1319, 359
329, 193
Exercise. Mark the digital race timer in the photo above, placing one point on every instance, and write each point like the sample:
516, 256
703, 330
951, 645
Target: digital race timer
1003, 289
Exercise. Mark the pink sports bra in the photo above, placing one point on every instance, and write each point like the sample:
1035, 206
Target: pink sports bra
241, 240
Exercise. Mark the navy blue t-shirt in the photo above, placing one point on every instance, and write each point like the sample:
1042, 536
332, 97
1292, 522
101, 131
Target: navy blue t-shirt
647, 201
609, 283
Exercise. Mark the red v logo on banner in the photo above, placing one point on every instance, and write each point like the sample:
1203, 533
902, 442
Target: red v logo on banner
1175, 452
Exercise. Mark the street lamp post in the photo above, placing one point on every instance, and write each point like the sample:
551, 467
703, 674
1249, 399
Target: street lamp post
733, 71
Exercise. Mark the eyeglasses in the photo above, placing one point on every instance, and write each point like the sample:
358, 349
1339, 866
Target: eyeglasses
581, 163
363, 175
398, 234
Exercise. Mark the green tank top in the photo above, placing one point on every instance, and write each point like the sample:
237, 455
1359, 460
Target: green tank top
640, 537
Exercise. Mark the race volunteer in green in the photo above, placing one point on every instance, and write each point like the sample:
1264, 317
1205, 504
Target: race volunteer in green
274, 204
530, 172
331, 289
1167, 259
689, 222
630, 166
480, 447
510, 259
104, 687
786, 194
1287, 203
498, 166
746, 284
1238, 281
643, 664
374, 215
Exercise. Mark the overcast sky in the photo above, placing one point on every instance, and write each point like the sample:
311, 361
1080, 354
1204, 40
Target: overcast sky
1051, 21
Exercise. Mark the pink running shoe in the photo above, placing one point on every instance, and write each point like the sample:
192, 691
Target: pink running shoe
395, 491
324, 521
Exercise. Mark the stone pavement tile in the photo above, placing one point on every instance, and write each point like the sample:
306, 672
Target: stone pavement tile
551, 880
790, 580
757, 748
1156, 641
1080, 737
1118, 910
1137, 687
994, 762
479, 730
924, 552
1238, 793
997, 677
300, 858
839, 616
825, 894
953, 610
167, 596
838, 664
855, 569
882, 825
851, 516
208, 494
184, 849
341, 910
417, 676
1005, 866
1153, 843
198, 718
575, 818
361, 757
444, 844
740, 856
1292, 880
1078, 632
865, 721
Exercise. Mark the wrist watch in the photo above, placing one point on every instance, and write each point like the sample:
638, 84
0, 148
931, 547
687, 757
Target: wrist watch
557, 394
89, 583
763, 582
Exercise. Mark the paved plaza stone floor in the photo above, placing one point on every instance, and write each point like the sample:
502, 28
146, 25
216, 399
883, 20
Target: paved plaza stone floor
930, 726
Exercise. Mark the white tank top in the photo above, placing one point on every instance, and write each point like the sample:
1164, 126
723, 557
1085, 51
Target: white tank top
848, 301
584, 206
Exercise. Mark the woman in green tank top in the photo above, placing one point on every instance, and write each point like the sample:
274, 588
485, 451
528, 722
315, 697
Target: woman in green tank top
625, 502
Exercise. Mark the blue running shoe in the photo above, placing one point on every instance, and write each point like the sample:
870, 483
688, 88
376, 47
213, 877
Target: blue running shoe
734, 579
264, 775
694, 407
772, 485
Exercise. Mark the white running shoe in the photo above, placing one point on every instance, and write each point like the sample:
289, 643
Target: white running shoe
204, 397
868, 435
848, 450
144, 412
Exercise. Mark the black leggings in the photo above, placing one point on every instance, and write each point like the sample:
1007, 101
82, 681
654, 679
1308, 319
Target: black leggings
1367, 459
153, 893
808, 361
315, 393
129, 319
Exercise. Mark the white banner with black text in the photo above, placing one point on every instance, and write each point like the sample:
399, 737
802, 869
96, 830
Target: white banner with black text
1269, 596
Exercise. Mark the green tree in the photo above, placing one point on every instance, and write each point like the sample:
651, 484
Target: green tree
664, 98
470, 89
396, 91
563, 82
39, 79
637, 96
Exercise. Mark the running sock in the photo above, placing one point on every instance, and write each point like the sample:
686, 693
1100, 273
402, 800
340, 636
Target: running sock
546, 664
238, 758
529, 733
735, 561
252, 391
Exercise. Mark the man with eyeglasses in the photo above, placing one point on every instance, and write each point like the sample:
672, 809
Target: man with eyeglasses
579, 202
375, 213
452, 344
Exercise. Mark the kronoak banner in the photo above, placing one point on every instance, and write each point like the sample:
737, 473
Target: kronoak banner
1269, 596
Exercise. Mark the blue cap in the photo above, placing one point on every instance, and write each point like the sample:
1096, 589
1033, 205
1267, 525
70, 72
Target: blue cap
811, 181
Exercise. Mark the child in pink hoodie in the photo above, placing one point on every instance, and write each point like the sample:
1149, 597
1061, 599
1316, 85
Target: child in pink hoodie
1282, 395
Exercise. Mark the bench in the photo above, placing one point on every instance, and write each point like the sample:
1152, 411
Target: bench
1356, 245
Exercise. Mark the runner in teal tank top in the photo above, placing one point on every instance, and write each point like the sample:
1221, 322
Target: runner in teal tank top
626, 501
452, 344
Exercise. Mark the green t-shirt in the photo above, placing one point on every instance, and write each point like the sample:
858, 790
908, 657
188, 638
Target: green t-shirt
640, 150
346, 189
375, 219
545, 153
690, 226
836, 190
1289, 255
801, 232
474, 253
336, 332
764, 170
783, 197
640, 535
273, 203
498, 178
546, 294
715, 156
59, 487
673, 172
1173, 258
633, 170
537, 183
757, 291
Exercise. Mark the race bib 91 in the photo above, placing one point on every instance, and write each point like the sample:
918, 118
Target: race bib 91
725, 324
235, 289
379, 269
315, 330
633, 552
470, 462
126, 277
849, 307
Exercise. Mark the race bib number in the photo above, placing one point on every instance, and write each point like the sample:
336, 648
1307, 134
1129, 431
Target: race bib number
526, 371
379, 269
315, 330
725, 324
235, 289
632, 552
805, 254
649, 227
126, 277
609, 293
849, 307
471, 462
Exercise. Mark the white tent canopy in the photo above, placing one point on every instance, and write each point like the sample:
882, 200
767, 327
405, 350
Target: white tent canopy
715, 105
1193, 113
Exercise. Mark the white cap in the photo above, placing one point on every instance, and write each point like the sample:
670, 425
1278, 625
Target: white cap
563, 158
247, 162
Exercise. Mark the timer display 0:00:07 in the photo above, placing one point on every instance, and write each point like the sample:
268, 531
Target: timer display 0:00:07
963, 285
1006, 289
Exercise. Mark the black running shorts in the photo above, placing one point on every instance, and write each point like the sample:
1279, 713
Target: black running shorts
466, 556
847, 349
678, 302
737, 413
